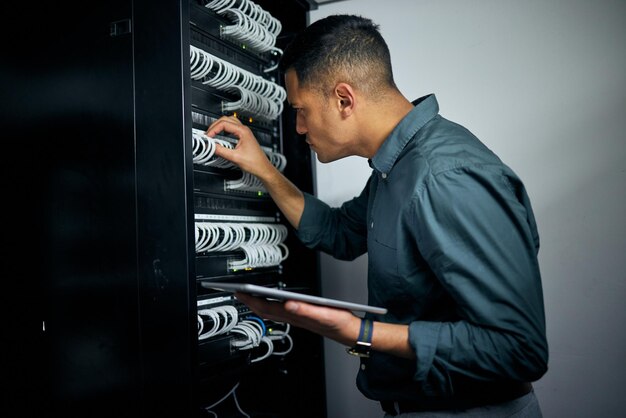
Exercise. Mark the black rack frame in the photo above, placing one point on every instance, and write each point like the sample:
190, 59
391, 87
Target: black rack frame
103, 281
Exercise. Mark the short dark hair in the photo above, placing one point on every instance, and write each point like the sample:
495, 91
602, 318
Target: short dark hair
339, 48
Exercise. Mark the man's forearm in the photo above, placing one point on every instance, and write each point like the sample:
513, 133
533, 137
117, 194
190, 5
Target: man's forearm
286, 195
392, 339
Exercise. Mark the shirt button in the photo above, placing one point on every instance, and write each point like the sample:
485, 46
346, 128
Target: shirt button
384, 175
362, 366
372, 225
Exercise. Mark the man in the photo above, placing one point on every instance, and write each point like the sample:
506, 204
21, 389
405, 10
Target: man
449, 231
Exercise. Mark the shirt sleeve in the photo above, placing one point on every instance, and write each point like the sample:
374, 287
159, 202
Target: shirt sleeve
476, 230
340, 232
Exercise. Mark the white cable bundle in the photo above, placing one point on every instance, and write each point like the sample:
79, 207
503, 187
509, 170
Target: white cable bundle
280, 335
249, 332
203, 148
224, 319
252, 26
229, 236
271, 336
249, 183
278, 159
257, 95
249, 31
252, 332
262, 244
251, 9
260, 256
216, 237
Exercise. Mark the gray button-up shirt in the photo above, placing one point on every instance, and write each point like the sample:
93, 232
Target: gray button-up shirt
452, 249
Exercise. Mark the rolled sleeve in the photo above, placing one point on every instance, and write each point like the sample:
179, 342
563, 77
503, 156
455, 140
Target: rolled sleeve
315, 213
340, 232
423, 337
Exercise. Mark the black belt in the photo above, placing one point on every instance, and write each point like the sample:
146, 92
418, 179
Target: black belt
394, 408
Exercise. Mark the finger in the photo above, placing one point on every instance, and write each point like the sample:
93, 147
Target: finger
225, 124
263, 307
229, 119
307, 311
224, 152
233, 119
216, 127
247, 299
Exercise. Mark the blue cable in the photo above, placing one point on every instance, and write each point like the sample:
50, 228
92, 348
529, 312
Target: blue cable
260, 321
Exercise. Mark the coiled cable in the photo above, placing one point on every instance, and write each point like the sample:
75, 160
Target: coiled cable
252, 25
203, 148
258, 96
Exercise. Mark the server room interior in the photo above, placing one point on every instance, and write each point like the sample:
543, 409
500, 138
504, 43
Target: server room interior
126, 213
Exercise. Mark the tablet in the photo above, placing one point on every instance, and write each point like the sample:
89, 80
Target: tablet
277, 294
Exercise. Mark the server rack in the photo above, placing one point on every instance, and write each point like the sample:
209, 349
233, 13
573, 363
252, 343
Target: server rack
102, 113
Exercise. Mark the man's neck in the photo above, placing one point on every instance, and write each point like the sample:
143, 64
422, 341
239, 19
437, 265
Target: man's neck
378, 121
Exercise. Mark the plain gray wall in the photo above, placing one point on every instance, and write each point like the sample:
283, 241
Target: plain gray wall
543, 84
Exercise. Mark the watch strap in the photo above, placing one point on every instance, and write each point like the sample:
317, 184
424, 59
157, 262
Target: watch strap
363, 344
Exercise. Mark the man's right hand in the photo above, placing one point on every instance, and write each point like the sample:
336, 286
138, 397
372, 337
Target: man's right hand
247, 154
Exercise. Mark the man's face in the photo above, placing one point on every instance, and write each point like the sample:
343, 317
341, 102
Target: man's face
317, 118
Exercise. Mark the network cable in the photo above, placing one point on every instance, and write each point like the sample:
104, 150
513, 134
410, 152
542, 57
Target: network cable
257, 95
203, 148
234, 395
253, 26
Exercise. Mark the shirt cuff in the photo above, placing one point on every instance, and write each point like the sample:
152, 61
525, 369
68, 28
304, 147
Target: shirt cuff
423, 337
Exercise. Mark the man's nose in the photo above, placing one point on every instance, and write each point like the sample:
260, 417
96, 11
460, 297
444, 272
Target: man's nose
300, 126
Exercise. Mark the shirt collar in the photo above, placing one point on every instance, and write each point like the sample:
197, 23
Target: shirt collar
425, 109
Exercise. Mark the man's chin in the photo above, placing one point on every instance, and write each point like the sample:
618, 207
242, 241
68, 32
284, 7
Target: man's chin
324, 159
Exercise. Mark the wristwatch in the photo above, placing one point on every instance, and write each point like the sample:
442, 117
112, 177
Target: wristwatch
363, 344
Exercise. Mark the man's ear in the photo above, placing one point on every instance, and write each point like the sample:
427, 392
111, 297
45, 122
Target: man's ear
344, 98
